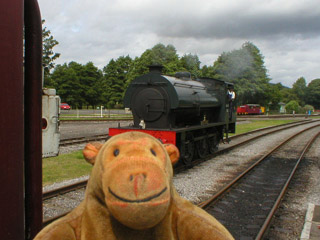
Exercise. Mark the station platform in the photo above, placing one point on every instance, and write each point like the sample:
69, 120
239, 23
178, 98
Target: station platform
311, 228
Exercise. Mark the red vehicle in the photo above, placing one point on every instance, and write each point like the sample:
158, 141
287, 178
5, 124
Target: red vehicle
65, 106
249, 109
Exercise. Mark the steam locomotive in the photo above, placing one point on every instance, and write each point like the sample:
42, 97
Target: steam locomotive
192, 114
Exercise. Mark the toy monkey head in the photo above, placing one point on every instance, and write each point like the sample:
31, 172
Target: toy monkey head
134, 172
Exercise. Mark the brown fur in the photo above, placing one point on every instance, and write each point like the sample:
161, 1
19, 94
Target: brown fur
130, 195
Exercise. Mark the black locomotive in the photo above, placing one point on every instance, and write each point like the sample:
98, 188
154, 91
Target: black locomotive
192, 114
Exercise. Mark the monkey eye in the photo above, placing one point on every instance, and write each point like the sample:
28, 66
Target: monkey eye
153, 152
116, 152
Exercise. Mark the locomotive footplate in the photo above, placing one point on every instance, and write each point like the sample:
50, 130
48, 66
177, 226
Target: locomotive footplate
164, 136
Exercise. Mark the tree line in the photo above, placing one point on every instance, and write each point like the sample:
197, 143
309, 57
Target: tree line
84, 85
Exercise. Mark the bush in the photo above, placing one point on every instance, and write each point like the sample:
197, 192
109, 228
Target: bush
292, 106
110, 104
307, 108
118, 106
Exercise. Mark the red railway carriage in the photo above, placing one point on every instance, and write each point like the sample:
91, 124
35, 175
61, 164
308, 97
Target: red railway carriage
249, 109
241, 110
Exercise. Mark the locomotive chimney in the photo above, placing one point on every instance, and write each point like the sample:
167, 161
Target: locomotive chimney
155, 68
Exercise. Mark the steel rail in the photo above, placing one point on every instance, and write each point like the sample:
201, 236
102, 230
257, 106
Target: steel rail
204, 204
72, 141
284, 189
276, 116
297, 123
63, 190
219, 152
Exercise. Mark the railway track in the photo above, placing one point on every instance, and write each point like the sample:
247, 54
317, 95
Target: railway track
275, 116
79, 140
259, 134
265, 131
103, 137
247, 204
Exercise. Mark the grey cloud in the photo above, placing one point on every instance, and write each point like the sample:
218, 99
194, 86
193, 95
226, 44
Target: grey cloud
287, 32
241, 26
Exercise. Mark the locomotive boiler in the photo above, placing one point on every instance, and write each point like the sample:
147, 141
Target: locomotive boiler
193, 114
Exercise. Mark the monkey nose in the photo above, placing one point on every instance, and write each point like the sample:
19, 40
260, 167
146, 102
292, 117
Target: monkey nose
138, 181
140, 176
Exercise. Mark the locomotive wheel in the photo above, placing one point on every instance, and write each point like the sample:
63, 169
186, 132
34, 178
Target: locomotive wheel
202, 148
189, 150
213, 144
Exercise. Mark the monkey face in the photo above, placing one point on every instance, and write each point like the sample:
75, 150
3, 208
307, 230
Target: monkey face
137, 178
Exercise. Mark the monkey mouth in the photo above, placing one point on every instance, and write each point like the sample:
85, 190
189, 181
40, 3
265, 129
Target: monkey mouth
147, 199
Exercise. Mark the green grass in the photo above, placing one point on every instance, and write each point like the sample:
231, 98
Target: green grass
73, 165
256, 124
64, 167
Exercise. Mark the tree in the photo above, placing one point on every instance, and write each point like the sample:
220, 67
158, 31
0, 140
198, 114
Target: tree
207, 71
68, 85
49, 56
245, 68
90, 78
191, 63
78, 84
313, 93
275, 96
299, 89
288, 95
166, 56
139, 66
158, 55
114, 83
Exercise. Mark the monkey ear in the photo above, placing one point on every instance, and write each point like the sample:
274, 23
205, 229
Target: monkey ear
173, 152
90, 151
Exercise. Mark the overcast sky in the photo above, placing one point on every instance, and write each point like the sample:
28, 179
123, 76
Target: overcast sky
287, 32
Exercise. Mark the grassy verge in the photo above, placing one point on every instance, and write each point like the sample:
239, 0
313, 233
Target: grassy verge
64, 167
73, 165
256, 124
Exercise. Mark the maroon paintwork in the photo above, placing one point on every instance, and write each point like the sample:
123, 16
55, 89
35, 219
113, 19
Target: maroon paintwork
20, 121
11, 120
